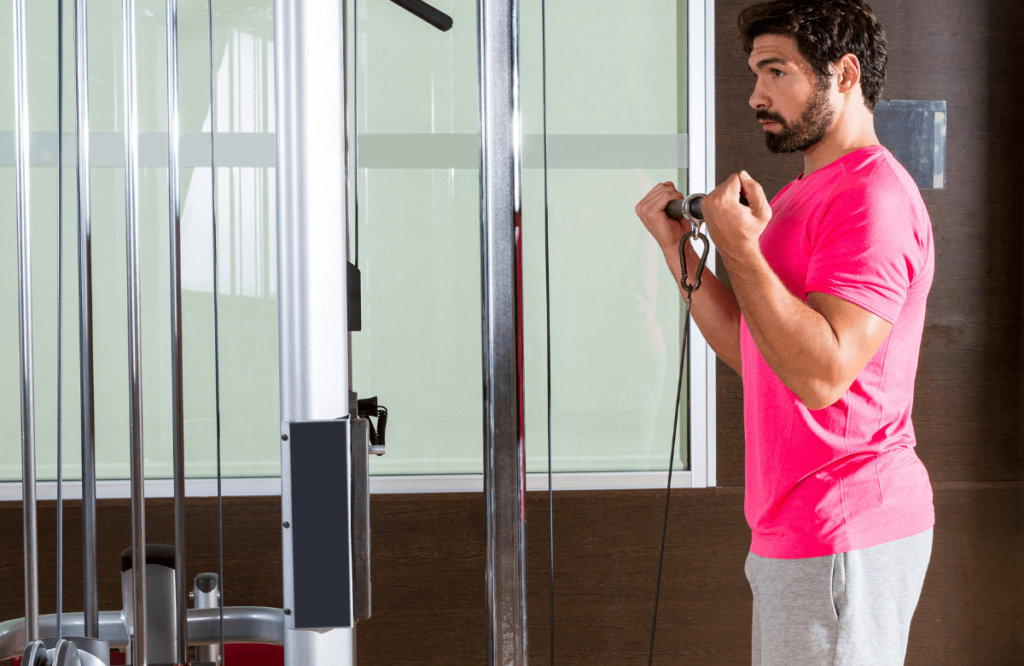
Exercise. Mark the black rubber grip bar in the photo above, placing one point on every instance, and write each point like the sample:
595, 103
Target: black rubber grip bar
691, 205
431, 15
677, 207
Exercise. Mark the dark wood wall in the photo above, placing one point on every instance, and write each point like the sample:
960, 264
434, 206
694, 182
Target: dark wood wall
428, 549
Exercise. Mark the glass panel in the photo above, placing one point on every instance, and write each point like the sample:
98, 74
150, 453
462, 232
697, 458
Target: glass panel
244, 84
246, 242
617, 124
419, 237
616, 110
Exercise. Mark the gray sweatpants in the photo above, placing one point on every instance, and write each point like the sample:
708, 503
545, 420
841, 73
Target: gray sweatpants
850, 609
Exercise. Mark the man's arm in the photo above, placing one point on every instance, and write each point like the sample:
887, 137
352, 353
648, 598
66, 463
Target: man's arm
713, 306
817, 348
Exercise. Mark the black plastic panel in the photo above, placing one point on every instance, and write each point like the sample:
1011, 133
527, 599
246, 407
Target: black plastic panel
320, 525
355, 304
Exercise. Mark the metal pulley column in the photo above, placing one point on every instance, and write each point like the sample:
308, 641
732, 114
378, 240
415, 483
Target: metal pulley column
137, 458
177, 379
27, 389
504, 455
89, 572
312, 185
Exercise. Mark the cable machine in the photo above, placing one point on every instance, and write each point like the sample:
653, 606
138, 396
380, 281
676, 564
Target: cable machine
326, 434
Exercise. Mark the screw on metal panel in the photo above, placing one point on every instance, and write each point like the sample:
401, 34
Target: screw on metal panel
284, 437
287, 611
287, 524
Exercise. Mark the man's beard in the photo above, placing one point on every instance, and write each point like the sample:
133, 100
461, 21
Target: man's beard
808, 131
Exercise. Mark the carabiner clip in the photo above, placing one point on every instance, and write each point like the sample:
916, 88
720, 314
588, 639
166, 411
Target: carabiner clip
694, 235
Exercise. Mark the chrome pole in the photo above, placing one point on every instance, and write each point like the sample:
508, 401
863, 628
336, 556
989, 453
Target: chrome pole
131, 184
177, 384
91, 595
60, 317
28, 435
312, 218
504, 453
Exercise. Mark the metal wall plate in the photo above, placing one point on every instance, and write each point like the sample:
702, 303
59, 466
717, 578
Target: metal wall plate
914, 131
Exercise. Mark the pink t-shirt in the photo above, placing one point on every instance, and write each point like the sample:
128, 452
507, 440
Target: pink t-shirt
845, 477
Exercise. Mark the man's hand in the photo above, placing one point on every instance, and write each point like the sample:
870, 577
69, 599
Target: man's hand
736, 229
651, 211
714, 307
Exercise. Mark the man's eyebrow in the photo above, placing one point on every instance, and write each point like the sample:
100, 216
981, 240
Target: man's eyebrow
769, 61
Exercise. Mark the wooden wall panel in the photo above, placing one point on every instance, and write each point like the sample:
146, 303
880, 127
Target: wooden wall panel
968, 401
428, 568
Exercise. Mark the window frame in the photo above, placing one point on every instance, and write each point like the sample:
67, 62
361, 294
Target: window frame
702, 472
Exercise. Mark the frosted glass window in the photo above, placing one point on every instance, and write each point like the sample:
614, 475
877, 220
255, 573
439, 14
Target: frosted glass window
244, 84
617, 82
617, 125
419, 237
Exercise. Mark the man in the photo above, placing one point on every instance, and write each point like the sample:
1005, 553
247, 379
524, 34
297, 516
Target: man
824, 324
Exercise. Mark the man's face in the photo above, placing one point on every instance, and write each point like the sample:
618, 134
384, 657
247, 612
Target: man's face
793, 104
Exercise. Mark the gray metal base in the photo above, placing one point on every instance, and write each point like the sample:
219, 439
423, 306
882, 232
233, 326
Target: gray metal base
242, 624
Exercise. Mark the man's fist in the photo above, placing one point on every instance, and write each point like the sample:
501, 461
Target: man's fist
651, 211
736, 229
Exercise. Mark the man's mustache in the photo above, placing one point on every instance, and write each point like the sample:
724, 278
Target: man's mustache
770, 116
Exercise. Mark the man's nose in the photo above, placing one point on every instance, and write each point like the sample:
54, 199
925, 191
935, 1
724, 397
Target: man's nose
758, 99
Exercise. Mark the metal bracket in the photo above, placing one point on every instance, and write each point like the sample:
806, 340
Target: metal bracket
361, 587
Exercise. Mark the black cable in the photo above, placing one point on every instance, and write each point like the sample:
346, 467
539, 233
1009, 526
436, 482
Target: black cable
547, 321
216, 343
671, 460
60, 303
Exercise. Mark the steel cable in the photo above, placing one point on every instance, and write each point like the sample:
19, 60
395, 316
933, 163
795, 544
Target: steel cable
547, 323
671, 461
216, 340
355, 127
60, 304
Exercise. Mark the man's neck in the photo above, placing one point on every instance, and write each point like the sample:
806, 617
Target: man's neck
849, 132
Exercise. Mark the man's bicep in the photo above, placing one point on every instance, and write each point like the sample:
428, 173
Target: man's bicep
858, 333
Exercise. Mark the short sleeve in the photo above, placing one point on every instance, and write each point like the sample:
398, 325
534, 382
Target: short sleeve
863, 249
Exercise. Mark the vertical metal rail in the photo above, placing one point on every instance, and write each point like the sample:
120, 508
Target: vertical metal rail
312, 211
547, 324
131, 183
91, 595
177, 379
28, 434
504, 462
216, 325
60, 319
355, 135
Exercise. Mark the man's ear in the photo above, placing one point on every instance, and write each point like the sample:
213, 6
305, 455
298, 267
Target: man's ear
848, 72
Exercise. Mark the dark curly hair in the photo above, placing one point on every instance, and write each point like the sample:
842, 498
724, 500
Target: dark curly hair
825, 31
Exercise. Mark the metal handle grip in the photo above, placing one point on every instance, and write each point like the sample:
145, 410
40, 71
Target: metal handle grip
686, 209
431, 15
690, 208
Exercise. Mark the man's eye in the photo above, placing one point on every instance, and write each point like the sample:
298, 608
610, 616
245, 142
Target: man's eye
777, 73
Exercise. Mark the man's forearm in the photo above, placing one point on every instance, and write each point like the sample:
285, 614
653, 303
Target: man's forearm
713, 306
796, 341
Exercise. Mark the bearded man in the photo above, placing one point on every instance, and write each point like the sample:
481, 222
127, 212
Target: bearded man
823, 323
